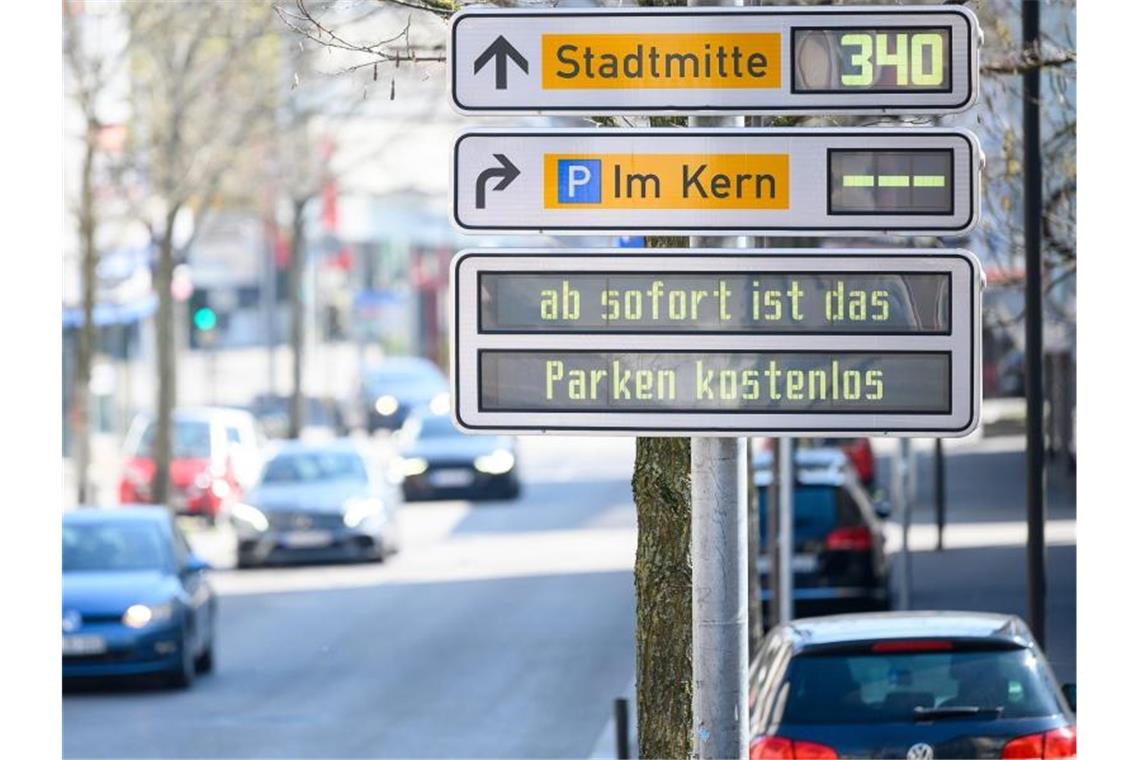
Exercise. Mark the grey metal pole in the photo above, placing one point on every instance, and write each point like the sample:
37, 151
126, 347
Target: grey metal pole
786, 547
1034, 402
939, 490
720, 610
902, 495
720, 582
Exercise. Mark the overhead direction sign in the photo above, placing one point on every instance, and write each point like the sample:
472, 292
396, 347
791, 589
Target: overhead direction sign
716, 181
815, 342
866, 59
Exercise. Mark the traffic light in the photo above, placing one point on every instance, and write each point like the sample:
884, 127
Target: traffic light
205, 319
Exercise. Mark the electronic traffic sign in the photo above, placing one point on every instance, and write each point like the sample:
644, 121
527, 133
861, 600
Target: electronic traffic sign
865, 59
811, 341
716, 181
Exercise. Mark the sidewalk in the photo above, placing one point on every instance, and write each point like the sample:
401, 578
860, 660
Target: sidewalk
983, 567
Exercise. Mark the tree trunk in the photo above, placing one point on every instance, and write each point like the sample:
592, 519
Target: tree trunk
663, 582
297, 318
165, 353
85, 345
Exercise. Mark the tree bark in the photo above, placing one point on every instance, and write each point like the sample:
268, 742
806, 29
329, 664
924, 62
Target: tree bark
85, 345
167, 370
297, 318
663, 583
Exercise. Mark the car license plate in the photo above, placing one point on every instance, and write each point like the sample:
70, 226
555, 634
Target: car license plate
451, 478
306, 539
801, 563
77, 646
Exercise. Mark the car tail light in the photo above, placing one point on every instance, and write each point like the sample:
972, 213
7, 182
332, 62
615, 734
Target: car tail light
862, 458
1058, 744
779, 748
912, 645
856, 538
1061, 743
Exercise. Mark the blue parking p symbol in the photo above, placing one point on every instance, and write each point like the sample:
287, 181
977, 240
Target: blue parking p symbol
579, 180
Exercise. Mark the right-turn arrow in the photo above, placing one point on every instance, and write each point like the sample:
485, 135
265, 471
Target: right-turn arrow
500, 50
506, 170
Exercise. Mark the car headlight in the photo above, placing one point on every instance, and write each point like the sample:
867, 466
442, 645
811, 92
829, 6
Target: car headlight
412, 466
250, 515
357, 511
440, 404
142, 615
387, 405
498, 462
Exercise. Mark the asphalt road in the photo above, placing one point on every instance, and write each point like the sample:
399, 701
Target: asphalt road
502, 630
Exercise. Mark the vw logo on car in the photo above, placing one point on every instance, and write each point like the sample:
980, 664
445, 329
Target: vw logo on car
71, 621
920, 751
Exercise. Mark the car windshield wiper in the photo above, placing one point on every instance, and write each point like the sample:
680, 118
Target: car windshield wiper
946, 713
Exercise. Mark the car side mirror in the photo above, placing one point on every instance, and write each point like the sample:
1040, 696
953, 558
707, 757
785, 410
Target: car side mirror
882, 508
195, 564
1070, 692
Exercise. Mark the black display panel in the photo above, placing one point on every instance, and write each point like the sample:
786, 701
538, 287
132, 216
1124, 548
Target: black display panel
894, 303
717, 381
890, 59
890, 182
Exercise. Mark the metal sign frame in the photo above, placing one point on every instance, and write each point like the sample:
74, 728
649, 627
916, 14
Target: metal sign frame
501, 181
962, 343
495, 60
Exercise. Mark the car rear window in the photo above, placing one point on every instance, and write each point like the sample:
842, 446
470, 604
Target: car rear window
191, 440
816, 511
882, 688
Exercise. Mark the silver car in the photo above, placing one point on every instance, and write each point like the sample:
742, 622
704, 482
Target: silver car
317, 501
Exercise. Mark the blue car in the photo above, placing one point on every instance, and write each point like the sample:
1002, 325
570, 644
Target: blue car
135, 598
917, 685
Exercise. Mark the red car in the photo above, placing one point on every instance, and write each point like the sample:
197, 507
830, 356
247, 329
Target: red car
201, 469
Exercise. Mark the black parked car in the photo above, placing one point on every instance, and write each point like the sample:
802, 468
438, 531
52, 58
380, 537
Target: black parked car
917, 685
840, 562
437, 461
393, 388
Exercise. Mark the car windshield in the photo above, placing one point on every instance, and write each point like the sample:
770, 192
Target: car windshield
881, 688
437, 426
191, 440
111, 547
423, 380
314, 466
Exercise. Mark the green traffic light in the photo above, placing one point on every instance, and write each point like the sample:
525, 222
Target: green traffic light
205, 319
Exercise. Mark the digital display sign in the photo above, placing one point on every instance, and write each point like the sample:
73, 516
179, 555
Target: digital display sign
891, 181
815, 341
817, 59
720, 381
766, 181
846, 59
904, 303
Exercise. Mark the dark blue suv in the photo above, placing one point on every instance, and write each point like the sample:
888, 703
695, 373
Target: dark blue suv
909, 685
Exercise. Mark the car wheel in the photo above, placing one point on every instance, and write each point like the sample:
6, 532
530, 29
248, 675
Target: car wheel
183, 674
245, 562
204, 663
